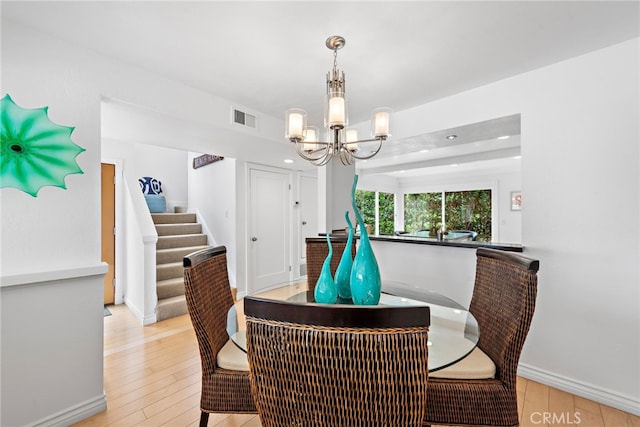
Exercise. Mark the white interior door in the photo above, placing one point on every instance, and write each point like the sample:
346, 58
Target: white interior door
269, 228
307, 214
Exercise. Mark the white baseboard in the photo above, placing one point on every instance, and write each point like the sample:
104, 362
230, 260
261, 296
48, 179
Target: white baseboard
588, 391
75, 413
149, 320
145, 320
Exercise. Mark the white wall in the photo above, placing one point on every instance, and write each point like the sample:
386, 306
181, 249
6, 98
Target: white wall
164, 164
580, 216
212, 193
60, 229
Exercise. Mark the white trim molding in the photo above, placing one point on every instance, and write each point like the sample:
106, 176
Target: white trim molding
74, 413
98, 269
588, 391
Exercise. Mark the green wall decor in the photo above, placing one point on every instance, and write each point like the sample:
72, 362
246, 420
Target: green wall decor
34, 151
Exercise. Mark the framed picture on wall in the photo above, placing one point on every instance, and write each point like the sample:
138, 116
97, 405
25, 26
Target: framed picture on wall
516, 200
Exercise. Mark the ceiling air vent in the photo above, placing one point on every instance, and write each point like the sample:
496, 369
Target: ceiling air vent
244, 119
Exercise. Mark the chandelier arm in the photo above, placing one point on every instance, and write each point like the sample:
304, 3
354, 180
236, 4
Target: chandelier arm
324, 159
380, 141
378, 138
322, 153
346, 157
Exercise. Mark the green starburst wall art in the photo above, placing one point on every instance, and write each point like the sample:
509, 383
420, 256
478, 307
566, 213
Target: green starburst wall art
34, 151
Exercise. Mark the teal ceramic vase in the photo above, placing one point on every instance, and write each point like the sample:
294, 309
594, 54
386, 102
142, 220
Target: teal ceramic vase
343, 272
325, 292
365, 274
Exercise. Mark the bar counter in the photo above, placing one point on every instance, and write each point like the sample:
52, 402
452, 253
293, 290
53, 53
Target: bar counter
511, 247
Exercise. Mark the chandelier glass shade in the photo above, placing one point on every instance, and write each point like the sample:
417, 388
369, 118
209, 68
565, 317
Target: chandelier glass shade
341, 142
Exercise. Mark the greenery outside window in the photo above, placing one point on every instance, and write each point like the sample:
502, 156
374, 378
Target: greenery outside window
422, 212
469, 210
457, 210
386, 217
377, 210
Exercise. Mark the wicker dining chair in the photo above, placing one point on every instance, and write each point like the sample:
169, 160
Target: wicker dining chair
209, 299
316, 252
337, 365
503, 303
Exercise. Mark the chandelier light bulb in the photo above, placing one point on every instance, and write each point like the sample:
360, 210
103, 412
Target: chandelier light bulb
380, 121
310, 139
352, 136
296, 121
337, 113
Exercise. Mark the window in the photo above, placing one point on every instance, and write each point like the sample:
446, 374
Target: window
457, 210
422, 212
469, 210
377, 210
366, 202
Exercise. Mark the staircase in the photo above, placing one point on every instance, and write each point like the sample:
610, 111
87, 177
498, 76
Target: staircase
179, 234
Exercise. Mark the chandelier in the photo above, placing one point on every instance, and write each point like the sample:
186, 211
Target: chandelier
342, 142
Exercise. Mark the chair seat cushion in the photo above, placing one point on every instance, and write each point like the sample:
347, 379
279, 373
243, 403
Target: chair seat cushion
476, 366
231, 357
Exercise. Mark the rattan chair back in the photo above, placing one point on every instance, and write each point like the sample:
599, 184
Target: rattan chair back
316, 252
342, 366
209, 298
503, 303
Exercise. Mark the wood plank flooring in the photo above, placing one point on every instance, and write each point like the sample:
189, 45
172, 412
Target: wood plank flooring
152, 378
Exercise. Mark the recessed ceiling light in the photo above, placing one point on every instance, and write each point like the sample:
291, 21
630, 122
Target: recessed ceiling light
517, 157
503, 137
452, 136
288, 161
453, 165
424, 151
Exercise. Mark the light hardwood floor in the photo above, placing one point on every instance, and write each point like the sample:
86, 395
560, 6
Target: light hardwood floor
152, 378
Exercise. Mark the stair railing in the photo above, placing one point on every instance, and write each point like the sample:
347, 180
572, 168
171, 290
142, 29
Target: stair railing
140, 242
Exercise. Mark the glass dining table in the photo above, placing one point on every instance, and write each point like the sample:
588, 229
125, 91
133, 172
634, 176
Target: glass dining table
453, 332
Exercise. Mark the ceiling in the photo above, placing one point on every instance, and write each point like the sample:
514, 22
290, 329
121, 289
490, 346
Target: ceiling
270, 56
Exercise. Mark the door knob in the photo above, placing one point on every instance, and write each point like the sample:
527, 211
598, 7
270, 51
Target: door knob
253, 239
304, 222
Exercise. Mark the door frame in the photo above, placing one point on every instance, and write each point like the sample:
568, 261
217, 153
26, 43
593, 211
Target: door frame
248, 220
120, 250
297, 231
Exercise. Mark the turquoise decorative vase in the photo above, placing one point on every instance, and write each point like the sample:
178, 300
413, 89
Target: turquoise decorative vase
343, 272
365, 274
325, 292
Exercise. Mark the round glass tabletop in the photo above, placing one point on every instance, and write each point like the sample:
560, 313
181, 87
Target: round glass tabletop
453, 333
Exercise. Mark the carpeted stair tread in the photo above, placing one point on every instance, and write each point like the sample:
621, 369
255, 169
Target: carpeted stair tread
171, 307
178, 228
179, 241
175, 254
179, 234
170, 288
169, 270
173, 218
